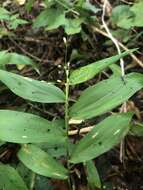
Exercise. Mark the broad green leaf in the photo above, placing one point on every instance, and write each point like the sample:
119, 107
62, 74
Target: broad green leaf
122, 16
56, 150
92, 175
4, 14
73, 26
106, 95
30, 89
89, 71
137, 129
137, 9
7, 58
19, 127
102, 137
59, 20
126, 17
10, 179
51, 17
41, 162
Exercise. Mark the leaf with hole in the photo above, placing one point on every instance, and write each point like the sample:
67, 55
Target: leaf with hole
41, 162
30, 89
102, 137
106, 95
10, 179
19, 127
89, 71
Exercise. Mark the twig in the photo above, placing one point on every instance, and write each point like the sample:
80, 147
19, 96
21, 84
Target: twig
26, 52
82, 131
120, 44
112, 38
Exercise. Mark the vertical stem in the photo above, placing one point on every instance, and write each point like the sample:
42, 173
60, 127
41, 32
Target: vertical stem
67, 65
32, 183
67, 100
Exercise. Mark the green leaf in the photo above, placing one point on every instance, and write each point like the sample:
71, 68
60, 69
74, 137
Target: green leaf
137, 129
126, 17
30, 89
58, 21
19, 127
92, 175
73, 26
106, 95
4, 14
137, 9
40, 182
25, 173
10, 179
89, 71
122, 16
51, 17
56, 150
41, 163
7, 58
116, 70
15, 21
88, 6
29, 5
102, 137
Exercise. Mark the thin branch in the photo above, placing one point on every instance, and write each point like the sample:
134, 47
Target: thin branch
112, 38
139, 62
82, 131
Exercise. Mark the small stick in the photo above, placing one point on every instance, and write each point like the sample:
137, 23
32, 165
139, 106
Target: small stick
82, 131
140, 63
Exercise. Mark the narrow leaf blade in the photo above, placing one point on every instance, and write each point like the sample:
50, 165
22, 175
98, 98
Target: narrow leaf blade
102, 137
92, 175
30, 89
89, 71
7, 58
19, 127
106, 95
41, 162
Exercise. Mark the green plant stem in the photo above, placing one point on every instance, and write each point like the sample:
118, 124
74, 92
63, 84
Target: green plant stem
67, 103
32, 181
67, 115
67, 68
